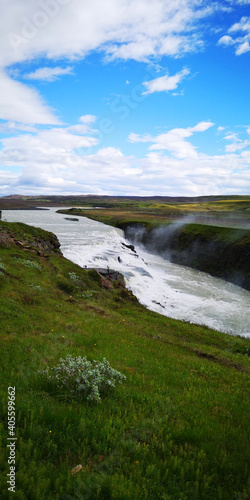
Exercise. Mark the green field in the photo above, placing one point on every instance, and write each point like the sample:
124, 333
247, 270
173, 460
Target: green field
216, 206
177, 428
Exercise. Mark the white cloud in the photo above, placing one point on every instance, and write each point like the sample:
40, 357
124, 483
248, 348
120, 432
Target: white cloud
21, 103
174, 141
243, 48
124, 29
201, 127
49, 74
165, 83
87, 119
237, 144
226, 40
54, 162
241, 42
137, 138
232, 136
243, 25
71, 29
12, 126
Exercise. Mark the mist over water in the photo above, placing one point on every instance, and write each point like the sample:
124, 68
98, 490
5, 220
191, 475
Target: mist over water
169, 289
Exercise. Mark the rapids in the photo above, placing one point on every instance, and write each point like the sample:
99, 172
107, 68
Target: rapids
172, 290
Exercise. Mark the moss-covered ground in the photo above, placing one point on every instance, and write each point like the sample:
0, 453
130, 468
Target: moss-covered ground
176, 429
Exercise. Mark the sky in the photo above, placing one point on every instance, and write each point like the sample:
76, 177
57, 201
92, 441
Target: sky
125, 97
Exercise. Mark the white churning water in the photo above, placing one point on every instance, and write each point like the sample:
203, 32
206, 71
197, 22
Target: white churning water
169, 289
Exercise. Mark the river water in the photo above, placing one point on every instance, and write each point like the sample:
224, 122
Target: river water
169, 289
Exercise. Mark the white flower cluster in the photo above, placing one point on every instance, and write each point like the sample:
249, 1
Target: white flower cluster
79, 375
74, 277
28, 263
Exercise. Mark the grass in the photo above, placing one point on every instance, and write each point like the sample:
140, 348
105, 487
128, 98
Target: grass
176, 429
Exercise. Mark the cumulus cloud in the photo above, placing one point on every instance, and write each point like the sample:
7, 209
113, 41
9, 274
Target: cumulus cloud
63, 161
243, 48
56, 29
87, 119
22, 103
174, 141
121, 28
236, 143
49, 74
243, 25
165, 83
137, 138
226, 40
231, 148
59, 143
241, 42
201, 127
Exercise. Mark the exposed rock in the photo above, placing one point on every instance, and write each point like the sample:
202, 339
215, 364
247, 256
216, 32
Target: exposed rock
131, 247
106, 283
28, 237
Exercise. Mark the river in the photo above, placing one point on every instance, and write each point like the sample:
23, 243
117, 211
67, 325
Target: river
172, 290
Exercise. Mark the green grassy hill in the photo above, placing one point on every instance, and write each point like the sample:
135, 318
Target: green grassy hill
176, 429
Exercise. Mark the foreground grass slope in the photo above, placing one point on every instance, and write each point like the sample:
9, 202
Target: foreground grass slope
176, 429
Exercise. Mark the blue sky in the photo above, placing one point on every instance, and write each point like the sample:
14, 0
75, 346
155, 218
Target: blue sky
125, 97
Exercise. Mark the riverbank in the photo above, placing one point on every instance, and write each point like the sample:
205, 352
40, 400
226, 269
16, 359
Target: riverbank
177, 427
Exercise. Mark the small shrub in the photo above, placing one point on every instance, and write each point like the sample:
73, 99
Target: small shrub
81, 377
36, 287
28, 263
74, 277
